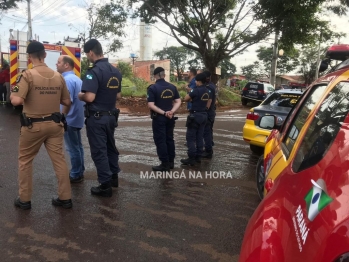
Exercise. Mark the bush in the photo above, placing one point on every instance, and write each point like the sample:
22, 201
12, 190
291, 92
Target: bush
227, 97
135, 87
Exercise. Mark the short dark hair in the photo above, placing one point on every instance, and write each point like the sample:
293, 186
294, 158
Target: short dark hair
97, 49
68, 60
194, 71
39, 55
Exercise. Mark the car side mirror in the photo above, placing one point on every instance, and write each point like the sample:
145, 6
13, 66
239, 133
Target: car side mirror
323, 66
269, 122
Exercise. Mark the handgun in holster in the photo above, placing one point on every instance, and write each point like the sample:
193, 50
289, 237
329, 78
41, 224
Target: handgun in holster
25, 121
86, 111
116, 113
190, 121
153, 114
58, 117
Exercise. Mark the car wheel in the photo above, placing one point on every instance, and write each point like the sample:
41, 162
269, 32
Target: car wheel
244, 102
257, 149
260, 176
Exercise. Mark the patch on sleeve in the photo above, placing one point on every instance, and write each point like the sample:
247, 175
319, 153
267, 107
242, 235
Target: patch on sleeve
89, 77
19, 78
15, 89
191, 90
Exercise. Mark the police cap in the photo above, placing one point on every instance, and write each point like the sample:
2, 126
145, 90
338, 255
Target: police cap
35, 47
90, 44
158, 70
201, 77
208, 74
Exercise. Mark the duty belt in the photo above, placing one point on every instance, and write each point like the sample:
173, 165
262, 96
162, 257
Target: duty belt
42, 119
101, 113
197, 111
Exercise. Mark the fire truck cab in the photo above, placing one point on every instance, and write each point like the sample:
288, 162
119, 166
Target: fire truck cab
18, 60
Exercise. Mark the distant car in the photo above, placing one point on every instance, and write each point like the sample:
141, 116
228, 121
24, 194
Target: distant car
255, 92
279, 103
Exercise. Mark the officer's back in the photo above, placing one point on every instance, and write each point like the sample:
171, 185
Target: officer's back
200, 96
163, 93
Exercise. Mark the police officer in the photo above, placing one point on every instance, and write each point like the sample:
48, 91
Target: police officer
41, 91
100, 90
201, 101
211, 114
163, 101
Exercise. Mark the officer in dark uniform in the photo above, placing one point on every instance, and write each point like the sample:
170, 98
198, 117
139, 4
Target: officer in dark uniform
100, 90
201, 101
211, 114
163, 101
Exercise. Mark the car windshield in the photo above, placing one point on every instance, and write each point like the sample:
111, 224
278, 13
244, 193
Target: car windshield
280, 99
268, 88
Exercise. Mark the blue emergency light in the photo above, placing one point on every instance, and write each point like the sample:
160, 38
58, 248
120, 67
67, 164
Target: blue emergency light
13, 47
77, 53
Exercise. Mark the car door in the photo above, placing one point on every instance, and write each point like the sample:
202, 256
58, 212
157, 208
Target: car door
312, 191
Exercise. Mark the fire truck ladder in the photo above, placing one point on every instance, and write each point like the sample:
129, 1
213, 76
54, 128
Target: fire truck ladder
22, 40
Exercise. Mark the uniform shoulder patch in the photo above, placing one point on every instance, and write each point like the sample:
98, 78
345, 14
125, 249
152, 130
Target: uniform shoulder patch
19, 78
15, 89
89, 76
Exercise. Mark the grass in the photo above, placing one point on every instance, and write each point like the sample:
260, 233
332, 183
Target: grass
227, 95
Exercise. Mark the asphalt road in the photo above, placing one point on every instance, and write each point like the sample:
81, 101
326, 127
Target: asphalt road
183, 219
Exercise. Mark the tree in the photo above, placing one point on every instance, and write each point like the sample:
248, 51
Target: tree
84, 67
105, 22
227, 68
308, 63
178, 57
215, 29
125, 69
8, 4
253, 71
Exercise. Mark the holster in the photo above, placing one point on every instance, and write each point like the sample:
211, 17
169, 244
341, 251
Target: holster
86, 111
191, 123
58, 117
25, 121
153, 115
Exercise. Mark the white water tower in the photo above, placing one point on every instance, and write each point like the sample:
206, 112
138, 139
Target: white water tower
145, 48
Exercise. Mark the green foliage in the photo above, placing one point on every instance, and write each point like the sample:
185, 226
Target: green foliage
84, 67
134, 86
227, 68
241, 84
253, 71
182, 94
177, 56
105, 22
125, 69
8, 4
227, 96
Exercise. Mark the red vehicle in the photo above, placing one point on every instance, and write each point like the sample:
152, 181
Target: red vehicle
305, 214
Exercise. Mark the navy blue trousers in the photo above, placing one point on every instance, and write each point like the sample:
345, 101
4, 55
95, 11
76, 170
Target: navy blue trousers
195, 134
100, 134
208, 132
163, 128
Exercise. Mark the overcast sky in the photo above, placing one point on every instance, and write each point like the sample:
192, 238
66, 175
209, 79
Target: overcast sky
51, 19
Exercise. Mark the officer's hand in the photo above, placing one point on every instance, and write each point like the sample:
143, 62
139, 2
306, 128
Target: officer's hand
169, 114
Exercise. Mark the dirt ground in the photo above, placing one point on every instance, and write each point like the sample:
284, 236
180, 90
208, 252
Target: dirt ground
138, 106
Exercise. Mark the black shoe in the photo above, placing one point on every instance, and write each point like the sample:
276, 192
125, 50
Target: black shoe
172, 165
188, 161
76, 180
164, 166
22, 205
115, 180
207, 154
102, 190
62, 203
198, 159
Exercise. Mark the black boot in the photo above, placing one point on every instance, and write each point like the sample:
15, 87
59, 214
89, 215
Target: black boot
164, 166
198, 159
103, 190
207, 154
115, 180
62, 203
172, 164
22, 205
188, 161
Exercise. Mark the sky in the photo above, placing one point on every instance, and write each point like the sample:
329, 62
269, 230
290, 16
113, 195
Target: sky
53, 20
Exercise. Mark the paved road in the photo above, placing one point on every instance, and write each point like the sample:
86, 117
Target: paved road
187, 219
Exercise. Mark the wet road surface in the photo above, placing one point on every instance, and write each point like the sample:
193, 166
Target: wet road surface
187, 219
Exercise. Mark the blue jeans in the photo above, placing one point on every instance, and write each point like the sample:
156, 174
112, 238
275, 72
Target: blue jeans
72, 138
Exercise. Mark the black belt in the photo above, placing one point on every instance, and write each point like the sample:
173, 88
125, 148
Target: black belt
197, 111
42, 119
102, 113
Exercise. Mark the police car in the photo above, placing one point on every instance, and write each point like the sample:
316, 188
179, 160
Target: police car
304, 215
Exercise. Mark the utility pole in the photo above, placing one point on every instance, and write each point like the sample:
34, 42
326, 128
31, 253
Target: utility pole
274, 59
30, 29
318, 57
